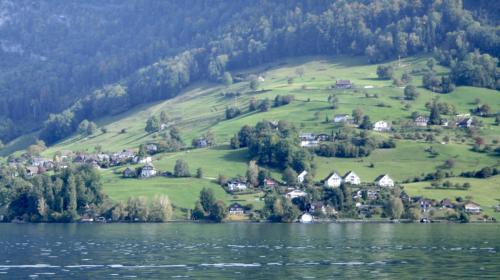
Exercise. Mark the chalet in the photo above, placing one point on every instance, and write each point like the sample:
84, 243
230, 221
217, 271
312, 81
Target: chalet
446, 203
236, 209
425, 204
323, 137
79, 159
128, 173
317, 207
42, 162
381, 126
296, 193
384, 181
236, 186
200, 142
32, 170
343, 84
445, 122
307, 137
343, 118
270, 183
421, 121
309, 143
472, 208
274, 124
302, 176
152, 148
333, 180
372, 194
351, 178
148, 170
144, 160
465, 123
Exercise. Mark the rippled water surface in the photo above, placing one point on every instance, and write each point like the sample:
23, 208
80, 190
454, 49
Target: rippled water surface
249, 251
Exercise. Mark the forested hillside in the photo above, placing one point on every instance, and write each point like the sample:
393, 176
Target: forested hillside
63, 62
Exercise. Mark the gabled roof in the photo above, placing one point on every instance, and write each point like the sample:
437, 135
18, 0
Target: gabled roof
382, 176
333, 173
235, 205
349, 173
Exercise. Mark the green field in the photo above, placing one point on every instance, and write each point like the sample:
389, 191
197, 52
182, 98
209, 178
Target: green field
201, 108
486, 192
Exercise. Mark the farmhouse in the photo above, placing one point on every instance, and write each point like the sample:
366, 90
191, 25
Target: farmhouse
465, 123
472, 208
128, 173
343, 84
302, 177
317, 207
148, 171
446, 203
236, 209
236, 186
309, 143
343, 118
270, 183
333, 180
351, 178
384, 181
42, 162
381, 126
32, 170
295, 193
152, 148
200, 142
307, 136
421, 121
323, 137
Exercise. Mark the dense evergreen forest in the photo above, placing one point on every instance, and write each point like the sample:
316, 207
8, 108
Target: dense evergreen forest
63, 62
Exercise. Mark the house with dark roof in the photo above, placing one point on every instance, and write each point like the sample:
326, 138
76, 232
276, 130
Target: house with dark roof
148, 170
128, 173
352, 178
236, 209
333, 180
344, 84
384, 181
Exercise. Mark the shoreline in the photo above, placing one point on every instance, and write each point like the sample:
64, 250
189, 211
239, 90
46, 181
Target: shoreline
340, 221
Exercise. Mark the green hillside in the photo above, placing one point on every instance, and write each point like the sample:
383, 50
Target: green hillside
201, 108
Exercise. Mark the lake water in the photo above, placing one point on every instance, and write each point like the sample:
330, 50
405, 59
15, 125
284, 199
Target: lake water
249, 251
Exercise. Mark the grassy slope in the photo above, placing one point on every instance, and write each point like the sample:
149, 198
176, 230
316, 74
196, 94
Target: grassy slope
483, 191
201, 108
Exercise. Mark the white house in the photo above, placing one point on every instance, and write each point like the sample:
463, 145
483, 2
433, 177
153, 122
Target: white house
236, 209
342, 118
145, 160
352, 178
302, 177
381, 126
295, 193
384, 181
472, 208
236, 186
309, 143
333, 180
421, 121
148, 171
